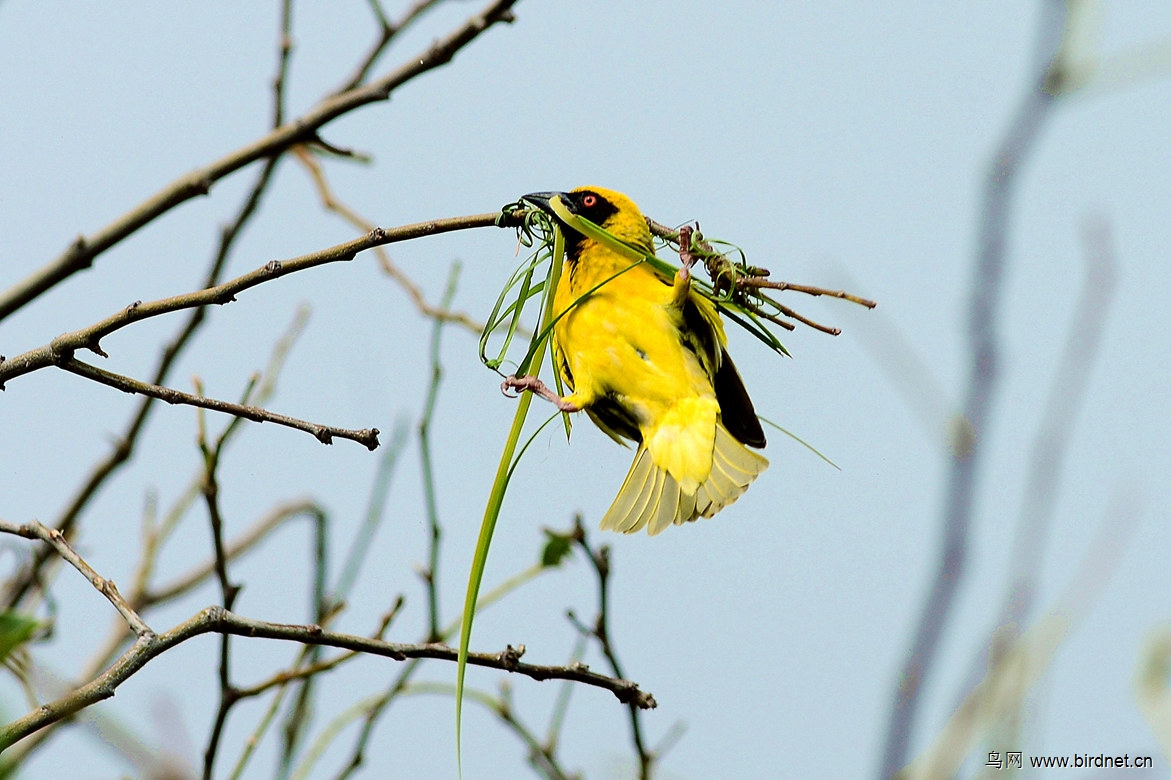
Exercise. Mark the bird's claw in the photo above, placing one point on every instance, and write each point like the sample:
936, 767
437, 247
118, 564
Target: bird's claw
686, 258
514, 382
535, 385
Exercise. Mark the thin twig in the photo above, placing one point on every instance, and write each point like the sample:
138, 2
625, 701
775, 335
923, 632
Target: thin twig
387, 31
262, 385
331, 203
360, 546
600, 559
785, 310
1019, 661
542, 760
431, 574
298, 717
745, 283
561, 703
228, 593
82, 252
379, 15
284, 55
299, 671
142, 597
1057, 422
253, 740
107, 588
779, 286
323, 433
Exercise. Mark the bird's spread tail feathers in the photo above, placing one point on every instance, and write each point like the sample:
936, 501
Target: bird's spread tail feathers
651, 498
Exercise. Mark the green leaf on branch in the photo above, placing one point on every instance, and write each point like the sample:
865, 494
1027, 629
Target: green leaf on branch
557, 548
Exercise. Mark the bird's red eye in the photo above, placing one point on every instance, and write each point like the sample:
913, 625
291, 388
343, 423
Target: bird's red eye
589, 200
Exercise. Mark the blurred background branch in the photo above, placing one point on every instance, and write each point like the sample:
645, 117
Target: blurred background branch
987, 287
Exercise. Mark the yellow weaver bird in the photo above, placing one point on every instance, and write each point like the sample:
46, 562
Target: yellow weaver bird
645, 357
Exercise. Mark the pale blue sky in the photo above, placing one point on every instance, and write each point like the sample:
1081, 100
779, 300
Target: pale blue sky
829, 140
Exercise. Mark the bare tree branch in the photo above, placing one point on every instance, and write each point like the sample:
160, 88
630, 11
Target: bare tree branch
300, 670
107, 588
387, 31
600, 560
221, 621
82, 252
1057, 422
1051, 445
61, 349
987, 286
402, 681
368, 437
142, 597
332, 203
228, 590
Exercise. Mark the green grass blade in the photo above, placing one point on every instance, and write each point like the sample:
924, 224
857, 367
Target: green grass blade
565, 418
510, 314
547, 329
800, 441
751, 323
496, 497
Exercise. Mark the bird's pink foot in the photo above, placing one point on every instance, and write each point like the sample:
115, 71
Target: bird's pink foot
535, 385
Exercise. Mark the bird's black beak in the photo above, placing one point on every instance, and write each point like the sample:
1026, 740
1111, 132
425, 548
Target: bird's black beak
541, 200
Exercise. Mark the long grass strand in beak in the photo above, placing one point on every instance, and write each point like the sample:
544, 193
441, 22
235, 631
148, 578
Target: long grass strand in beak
500, 484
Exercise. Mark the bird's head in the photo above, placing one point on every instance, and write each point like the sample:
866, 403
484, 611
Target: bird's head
611, 210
